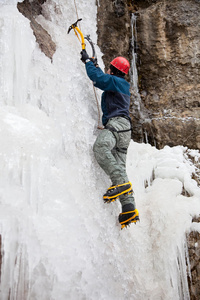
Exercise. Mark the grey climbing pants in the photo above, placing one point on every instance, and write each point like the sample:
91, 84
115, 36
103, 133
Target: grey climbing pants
110, 153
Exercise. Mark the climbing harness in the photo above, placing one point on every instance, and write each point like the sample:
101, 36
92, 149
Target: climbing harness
114, 130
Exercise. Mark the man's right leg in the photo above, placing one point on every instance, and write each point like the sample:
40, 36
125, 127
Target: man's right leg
121, 159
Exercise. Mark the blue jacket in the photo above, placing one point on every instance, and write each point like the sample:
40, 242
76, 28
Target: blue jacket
115, 100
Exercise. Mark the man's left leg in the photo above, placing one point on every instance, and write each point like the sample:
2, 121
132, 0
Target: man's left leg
102, 148
129, 212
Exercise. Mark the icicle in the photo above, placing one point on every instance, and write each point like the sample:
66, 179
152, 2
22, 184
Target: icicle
15, 56
146, 137
134, 73
134, 77
182, 271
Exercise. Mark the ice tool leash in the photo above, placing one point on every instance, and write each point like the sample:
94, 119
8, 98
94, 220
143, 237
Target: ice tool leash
94, 56
81, 38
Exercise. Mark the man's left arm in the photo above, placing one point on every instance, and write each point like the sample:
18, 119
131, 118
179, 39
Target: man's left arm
101, 80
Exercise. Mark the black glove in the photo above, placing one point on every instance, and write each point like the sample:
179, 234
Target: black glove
84, 56
94, 60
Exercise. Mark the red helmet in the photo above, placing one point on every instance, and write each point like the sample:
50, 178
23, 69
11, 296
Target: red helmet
121, 64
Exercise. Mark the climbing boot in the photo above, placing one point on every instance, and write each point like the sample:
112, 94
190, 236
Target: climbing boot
129, 215
117, 190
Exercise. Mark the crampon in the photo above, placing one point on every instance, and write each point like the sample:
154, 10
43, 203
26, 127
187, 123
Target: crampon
128, 217
115, 191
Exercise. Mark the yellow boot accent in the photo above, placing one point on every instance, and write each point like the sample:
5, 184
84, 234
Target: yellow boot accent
114, 197
132, 219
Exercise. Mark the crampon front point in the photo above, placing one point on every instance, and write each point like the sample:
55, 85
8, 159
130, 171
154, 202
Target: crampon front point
128, 217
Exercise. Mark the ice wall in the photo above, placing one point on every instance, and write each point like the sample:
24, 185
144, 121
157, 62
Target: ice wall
59, 240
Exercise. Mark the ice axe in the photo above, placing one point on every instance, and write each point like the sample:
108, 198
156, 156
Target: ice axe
77, 31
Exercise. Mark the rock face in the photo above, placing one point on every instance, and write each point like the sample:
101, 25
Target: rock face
31, 10
113, 29
169, 62
168, 49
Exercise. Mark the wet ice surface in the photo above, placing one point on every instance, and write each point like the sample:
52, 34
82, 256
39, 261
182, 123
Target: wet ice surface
59, 240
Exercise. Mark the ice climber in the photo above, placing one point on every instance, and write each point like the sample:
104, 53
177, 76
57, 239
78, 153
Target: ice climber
110, 147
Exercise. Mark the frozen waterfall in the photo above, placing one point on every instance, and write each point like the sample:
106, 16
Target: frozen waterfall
58, 239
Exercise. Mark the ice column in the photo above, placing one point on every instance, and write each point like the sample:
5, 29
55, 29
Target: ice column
15, 55
134, 73
134, 77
